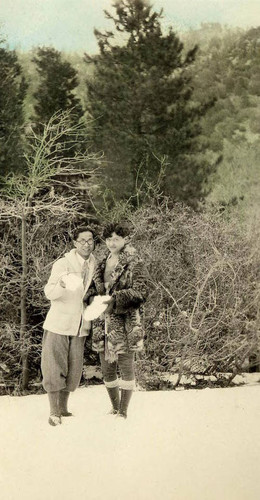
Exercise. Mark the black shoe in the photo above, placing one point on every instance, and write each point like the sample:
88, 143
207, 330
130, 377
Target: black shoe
65, 413
122, 414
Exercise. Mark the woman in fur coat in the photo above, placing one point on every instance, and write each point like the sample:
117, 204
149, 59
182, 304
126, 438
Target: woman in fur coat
118, 333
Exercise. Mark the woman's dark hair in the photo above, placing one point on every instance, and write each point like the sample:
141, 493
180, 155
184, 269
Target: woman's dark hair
81, 229
119, 229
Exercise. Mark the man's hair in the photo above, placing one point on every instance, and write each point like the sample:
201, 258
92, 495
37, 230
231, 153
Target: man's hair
82, 229
119, 229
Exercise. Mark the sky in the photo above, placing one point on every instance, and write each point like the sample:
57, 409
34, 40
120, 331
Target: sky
68, 24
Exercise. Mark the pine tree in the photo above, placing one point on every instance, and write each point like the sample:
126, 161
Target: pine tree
56, 90
12, 93
56, 94
140, 100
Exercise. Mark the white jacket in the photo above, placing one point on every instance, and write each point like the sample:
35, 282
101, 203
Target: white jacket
65, 314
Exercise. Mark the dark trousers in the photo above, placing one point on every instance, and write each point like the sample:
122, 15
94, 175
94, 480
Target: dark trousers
125, 364
62, 361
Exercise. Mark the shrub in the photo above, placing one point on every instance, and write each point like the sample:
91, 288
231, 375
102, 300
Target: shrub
202, 315
48, 238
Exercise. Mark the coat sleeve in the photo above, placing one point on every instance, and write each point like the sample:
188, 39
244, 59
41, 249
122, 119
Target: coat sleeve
90, 294
134, 295
53, 290
96, 286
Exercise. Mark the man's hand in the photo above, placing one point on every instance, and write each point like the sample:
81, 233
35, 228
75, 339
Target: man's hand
62, 284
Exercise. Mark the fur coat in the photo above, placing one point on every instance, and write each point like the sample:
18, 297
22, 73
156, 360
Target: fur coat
121, 330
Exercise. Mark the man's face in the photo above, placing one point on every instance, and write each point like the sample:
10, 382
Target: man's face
115, 243
84, 244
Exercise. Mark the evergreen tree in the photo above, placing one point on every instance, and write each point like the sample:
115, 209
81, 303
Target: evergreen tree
12, 92
56, 90
227, 67
140, 100
56, 94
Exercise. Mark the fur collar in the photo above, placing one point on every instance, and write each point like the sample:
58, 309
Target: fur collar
127, 255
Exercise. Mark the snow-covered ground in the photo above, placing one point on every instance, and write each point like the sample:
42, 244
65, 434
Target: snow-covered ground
175, 445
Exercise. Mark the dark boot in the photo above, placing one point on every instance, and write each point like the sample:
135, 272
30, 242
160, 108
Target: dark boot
63, 404
54, 418
124, 402
113, 393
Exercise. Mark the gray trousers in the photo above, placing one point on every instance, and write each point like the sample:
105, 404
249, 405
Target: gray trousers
61, 361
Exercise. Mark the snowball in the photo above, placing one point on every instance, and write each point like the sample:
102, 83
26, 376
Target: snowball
96, 308
72, 281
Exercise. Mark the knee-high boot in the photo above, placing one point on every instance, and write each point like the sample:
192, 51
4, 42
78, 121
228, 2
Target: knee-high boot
126, 395
63, 403
113, 393
54, 418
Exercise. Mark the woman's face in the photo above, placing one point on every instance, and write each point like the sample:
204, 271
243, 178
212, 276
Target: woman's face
115, 243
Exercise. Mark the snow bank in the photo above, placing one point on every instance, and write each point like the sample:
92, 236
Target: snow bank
187, 445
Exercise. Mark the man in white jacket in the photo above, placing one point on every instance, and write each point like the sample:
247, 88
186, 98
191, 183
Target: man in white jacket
64, 327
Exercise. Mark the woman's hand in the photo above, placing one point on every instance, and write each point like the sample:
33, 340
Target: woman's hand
107, 300
110, 305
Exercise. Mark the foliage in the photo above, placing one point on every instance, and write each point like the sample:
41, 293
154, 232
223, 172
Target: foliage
109, 209
202, 316
48, 161
55, 94
236, 185
12, 93
48, 238
56, 91
227, 69
34, 217
140, 98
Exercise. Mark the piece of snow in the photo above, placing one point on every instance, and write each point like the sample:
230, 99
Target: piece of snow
72, 282
96, 308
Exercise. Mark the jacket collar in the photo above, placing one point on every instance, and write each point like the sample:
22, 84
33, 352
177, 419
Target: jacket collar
74, 262
126, 255
81, 260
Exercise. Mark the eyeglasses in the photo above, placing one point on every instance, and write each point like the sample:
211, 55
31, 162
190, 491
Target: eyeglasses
84, 242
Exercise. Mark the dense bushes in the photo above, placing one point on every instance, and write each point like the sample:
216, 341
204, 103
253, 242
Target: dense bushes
202, 315
47, 239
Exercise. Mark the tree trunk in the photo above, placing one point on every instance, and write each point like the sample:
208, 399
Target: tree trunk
23, 300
